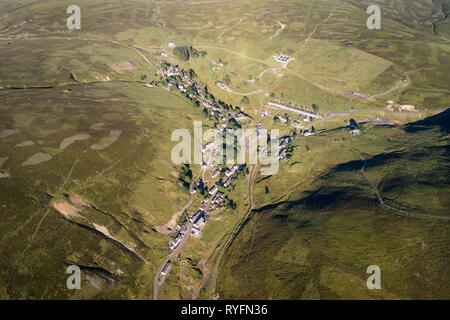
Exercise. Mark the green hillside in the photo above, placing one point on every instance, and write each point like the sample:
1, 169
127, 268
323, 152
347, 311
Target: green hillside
86, 170
318, 244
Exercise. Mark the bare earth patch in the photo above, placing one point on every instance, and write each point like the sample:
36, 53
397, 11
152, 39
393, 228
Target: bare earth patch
67, 210
78, 200
24, 144
68, 141
8, 132
70, 213
37, 158
103, 230
105, 142
96, 283
115, 133
98, 126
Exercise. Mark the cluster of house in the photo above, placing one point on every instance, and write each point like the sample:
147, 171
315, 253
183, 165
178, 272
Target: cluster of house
214, 109
297, 124
282, 58
198, 221
264, 113
178, 78
281, 118
171, 71
175, 242
217, 198
196, 185
283, 148
230, 174
173, 74
238, 116
212, 150
259, 128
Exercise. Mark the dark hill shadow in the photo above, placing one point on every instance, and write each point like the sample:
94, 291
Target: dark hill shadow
441, 119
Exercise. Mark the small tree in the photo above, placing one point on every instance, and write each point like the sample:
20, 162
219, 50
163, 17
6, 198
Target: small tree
245, 100
353, 124
227, 80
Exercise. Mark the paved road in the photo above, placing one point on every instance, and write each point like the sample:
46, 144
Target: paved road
158, 282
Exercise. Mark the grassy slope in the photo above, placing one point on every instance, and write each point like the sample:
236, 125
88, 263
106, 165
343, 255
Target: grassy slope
319, 242
121, 185
347, 56
118, 180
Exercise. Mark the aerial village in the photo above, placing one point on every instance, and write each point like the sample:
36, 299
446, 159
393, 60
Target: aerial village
174, 78
214, 194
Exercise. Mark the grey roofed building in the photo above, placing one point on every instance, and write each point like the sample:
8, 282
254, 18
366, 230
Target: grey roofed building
292, 109
216, 173
227, 182
281, 155
200, 221
297, 124
195, 215
218, 197
214, 189
165, 270
175, 242
282, 119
